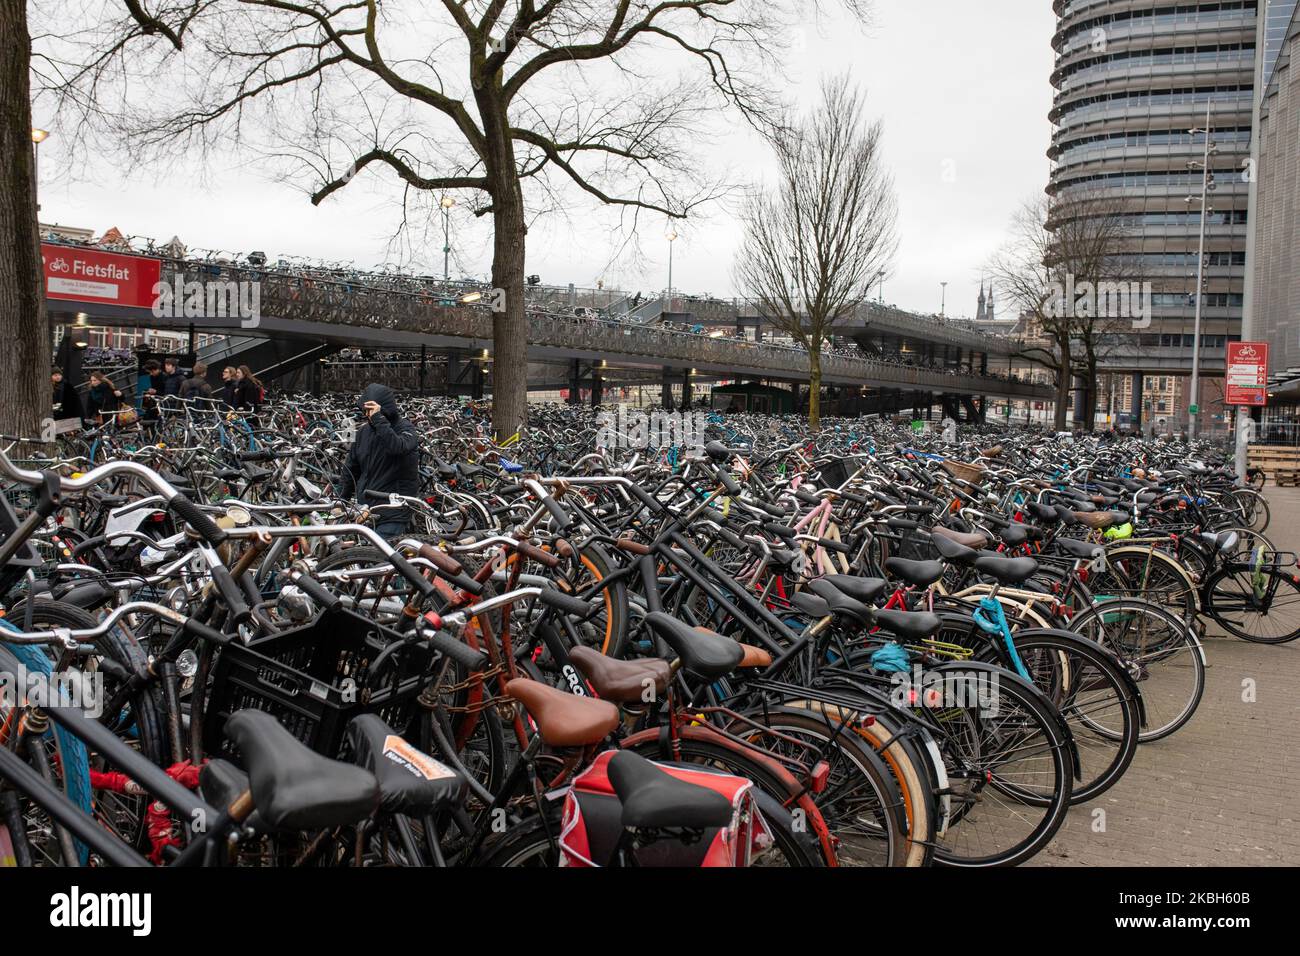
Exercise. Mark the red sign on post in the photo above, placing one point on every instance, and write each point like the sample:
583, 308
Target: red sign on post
1246, 374
88, 275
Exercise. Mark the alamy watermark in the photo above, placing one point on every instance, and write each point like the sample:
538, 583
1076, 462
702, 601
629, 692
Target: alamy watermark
941, 690
1099, 300
494, 299
635, 429
209, 299
70, 688
78, 909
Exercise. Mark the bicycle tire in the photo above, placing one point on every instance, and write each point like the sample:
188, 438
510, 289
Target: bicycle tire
1054, 806
1178, 595
1278, 580
1105, 670
1180, 646
912, 769
863, 756
595, 563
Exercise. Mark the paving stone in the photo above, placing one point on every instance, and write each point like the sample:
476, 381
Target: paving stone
1223, 790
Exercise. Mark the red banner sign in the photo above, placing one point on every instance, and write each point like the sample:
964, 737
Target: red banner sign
1246, 375
88, 275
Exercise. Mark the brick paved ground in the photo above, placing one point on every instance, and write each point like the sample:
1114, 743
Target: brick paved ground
1225, 789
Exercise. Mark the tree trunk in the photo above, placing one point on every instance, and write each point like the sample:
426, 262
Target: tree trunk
1090, 392
509, 328
814, 388
25, 392
1064, 392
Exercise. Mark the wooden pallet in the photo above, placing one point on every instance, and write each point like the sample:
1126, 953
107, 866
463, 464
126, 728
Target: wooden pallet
1274, 454
1281, 463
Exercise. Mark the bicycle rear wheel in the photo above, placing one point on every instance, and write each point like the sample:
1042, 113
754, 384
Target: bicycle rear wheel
1262, 606
908, 763
1086, 685
1098, 701
862, 803
1148, 573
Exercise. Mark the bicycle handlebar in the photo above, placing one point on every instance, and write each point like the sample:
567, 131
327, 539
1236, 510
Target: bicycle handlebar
72, 637
187, 510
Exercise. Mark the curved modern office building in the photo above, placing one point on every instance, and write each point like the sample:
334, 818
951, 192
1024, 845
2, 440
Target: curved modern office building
1131, 80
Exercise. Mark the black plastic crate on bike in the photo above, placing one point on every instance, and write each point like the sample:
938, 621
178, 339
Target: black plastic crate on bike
835, 473
315, 678
915, 546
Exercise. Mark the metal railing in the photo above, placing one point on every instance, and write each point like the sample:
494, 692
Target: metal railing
343, 303
388, 305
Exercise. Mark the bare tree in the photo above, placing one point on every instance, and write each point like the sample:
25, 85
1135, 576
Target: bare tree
1089, 233
602, 99
1058, 251
1023, 271
814, 244
25, 392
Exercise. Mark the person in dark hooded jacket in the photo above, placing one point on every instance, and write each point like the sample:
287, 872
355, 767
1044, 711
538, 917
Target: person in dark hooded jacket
384, 458
67, 403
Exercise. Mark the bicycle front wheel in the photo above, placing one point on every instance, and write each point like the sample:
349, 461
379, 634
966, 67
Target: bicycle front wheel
1010, 773
1159, 651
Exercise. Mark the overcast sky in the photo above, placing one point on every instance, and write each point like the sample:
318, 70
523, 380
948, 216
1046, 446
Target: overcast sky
962, 88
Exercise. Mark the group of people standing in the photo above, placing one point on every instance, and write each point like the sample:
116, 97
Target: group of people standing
240, 390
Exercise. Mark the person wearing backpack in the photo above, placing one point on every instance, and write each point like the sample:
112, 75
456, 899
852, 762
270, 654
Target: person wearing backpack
196, 386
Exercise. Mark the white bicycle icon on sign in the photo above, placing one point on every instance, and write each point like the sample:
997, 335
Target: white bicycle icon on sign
1247, 351
60, 265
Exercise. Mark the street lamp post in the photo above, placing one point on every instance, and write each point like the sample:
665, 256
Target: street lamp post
670, 235
1207, 184
943, 298
38, 136
447, 203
